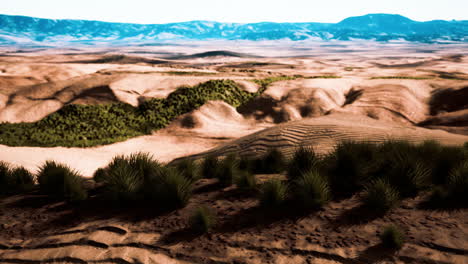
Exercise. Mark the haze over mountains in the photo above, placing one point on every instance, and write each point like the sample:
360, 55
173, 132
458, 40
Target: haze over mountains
16, 30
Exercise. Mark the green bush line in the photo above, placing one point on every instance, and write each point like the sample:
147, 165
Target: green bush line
90, 125
401, 77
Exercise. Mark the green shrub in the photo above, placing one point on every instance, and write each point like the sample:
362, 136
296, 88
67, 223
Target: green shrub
245, 181
392, 237
312, 190
210, 167
60, 181
304, 160
273, 194
380, 196
202, 220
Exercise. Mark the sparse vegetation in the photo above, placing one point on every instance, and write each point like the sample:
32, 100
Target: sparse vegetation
392, 237
311, 190
273, 194
202, 220
60, 181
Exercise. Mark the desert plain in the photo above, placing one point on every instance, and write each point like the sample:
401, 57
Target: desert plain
334, 91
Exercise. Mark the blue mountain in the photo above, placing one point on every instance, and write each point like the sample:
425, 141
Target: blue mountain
379, 27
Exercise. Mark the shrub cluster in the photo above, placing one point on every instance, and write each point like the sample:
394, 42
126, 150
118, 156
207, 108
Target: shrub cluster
90, 125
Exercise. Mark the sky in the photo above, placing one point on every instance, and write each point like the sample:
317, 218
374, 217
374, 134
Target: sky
242, 11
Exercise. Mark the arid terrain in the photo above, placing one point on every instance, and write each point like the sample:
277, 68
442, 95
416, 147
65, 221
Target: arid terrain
329, 92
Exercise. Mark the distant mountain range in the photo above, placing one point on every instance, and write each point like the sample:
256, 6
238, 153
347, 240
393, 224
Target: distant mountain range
379, 27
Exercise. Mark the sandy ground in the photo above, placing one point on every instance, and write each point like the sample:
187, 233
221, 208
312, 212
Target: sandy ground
308, 111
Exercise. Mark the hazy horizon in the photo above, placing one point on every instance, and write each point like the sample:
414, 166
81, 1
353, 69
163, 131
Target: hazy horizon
242, 11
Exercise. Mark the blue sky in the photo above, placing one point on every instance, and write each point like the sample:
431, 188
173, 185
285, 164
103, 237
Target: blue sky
157, 11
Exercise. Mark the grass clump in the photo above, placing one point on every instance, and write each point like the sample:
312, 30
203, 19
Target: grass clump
202, 220
245, 181
273, 194
312, 190
227, 171
304, 160
273, 161
189, 168
139, 177
392, 237
454, 193
380, 196
210, 167
173, 190
350, 166
60, 181
14, 180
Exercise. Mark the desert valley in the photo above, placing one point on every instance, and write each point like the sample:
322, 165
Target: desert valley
251, 123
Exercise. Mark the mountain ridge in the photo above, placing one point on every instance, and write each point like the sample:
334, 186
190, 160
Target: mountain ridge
379, 27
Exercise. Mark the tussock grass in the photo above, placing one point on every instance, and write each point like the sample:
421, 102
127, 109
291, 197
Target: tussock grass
210, 167
311, 190
273, 194
454, 192
227, 171
351, 166
392, 237
60, 181
380, 196
14, 180
202, 220
190, 169
245, 181
139, 177
304, 160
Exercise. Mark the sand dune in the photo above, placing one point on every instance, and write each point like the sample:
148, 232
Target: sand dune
391, 91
